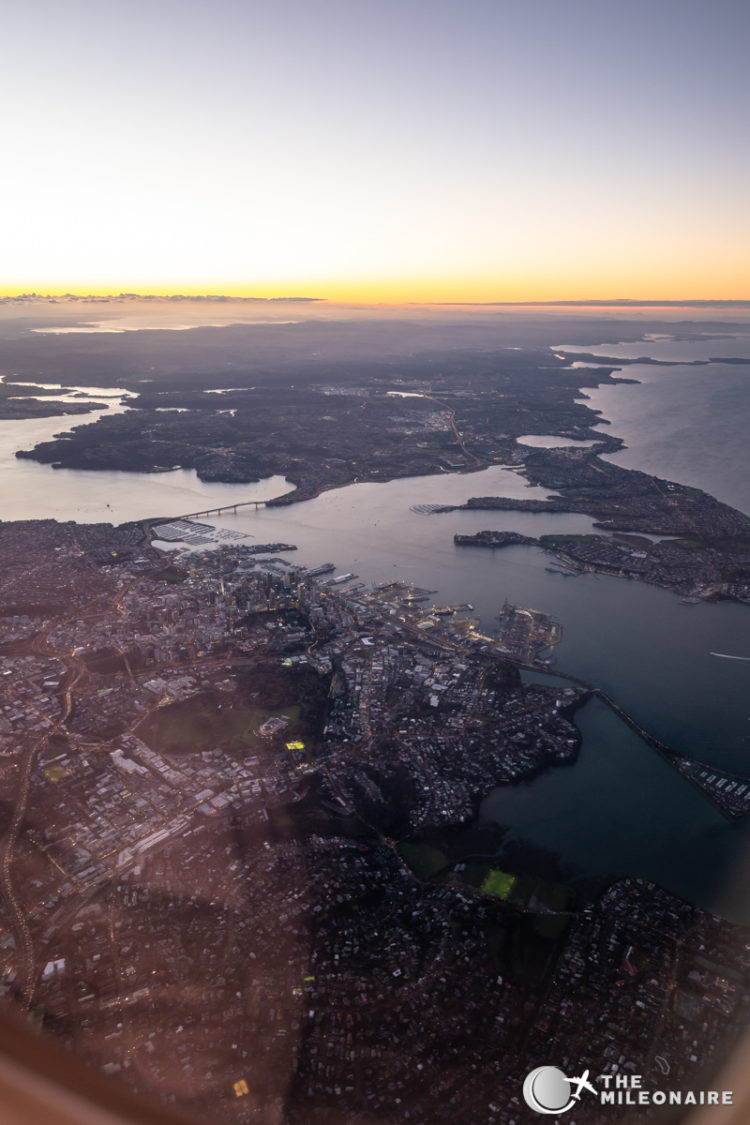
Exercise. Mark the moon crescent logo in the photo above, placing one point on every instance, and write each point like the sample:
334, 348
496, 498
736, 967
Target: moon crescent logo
547, 1090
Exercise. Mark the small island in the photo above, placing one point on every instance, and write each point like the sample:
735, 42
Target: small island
495, 539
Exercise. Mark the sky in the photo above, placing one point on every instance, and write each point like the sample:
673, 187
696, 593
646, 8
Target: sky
404, 150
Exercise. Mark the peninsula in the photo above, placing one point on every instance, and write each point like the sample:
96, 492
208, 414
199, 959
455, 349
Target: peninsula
323, 428
658, 531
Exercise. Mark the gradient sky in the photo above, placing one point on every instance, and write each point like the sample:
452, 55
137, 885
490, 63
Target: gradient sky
398, 150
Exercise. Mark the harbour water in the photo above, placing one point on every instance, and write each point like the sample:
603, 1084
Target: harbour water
686, 423
620, 809
30, 491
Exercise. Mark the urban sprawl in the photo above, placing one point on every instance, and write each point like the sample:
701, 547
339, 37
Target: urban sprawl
225, 780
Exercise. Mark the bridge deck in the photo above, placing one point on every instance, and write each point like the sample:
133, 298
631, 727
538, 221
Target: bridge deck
224, 508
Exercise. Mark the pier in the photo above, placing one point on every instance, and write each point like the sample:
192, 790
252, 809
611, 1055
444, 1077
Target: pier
651, 740
687, 768
668, 752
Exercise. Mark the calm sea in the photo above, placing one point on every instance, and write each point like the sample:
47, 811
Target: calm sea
686, 423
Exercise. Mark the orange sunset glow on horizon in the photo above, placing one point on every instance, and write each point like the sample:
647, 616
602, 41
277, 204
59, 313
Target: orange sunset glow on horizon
610, 285
489, 153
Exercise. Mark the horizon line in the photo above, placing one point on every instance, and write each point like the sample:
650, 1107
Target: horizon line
69, 296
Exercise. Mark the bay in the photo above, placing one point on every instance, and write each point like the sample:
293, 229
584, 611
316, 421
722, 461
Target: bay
620, 809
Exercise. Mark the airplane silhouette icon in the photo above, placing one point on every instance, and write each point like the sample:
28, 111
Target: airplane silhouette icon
581, 1083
